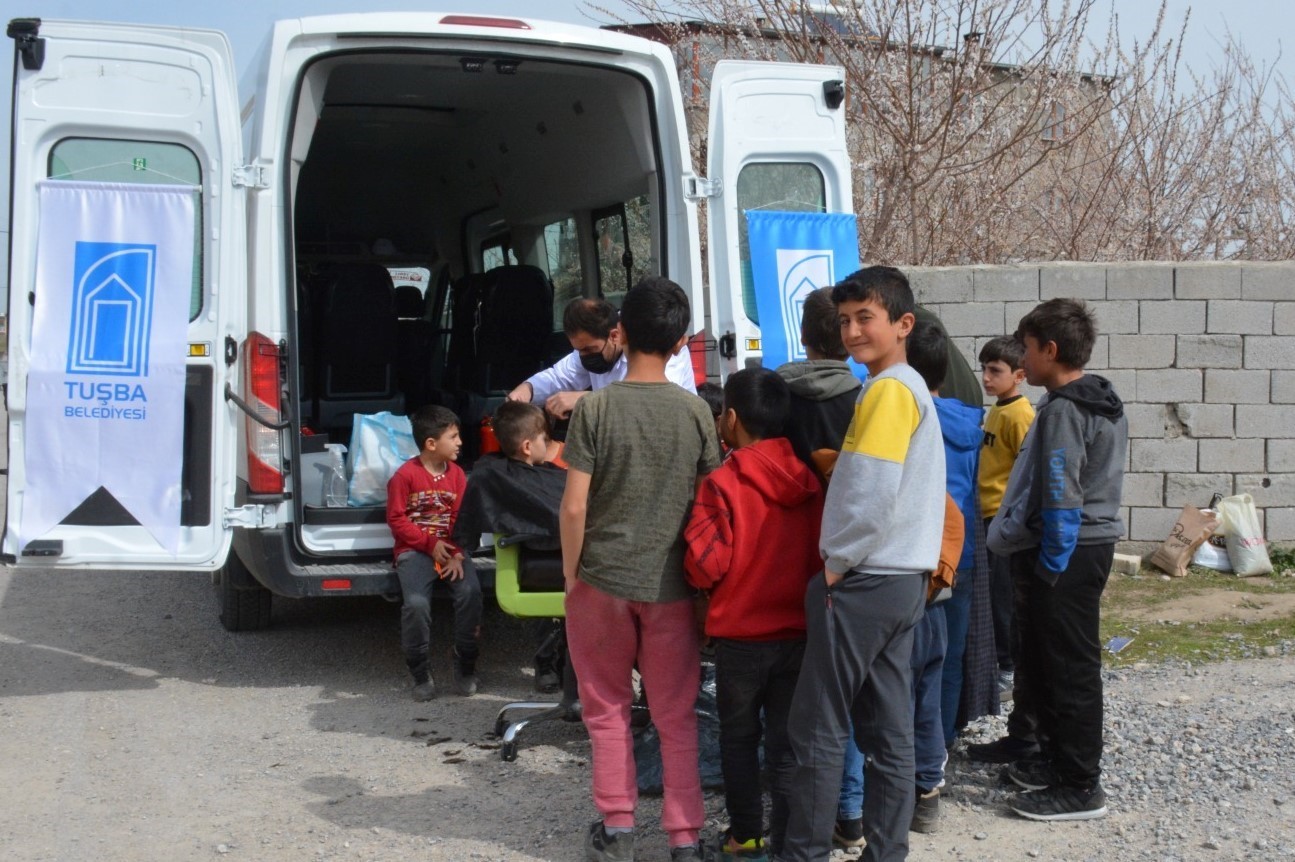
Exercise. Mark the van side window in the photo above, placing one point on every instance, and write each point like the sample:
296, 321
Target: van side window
623, 237
789, 187
496, 252
143, 162
562, 248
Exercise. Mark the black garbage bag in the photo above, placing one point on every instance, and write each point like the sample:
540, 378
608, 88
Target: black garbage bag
647, 743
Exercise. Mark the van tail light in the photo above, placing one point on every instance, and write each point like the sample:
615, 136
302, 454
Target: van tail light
485, 21
699, 348
261, 386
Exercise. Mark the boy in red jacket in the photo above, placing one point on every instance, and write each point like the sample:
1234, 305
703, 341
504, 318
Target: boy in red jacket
423, 500
752, 545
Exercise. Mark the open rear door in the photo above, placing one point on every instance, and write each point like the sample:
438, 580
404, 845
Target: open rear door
126, 286
777, 142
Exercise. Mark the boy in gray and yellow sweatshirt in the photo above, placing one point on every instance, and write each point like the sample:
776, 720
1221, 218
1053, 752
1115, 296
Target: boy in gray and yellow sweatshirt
882, 526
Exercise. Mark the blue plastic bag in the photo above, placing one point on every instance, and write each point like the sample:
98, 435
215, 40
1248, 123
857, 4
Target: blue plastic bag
380, 443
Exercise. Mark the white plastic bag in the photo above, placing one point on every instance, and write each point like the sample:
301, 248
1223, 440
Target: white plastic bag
380, 443
1213, 552
1245, 540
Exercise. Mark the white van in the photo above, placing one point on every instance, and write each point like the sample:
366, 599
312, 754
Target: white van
515, 164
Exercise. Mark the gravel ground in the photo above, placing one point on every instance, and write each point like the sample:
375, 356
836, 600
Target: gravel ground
132, 727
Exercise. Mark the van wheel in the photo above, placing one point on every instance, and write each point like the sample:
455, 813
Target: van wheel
242, 608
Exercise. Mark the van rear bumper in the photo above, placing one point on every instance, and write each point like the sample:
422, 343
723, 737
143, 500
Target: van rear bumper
277, 565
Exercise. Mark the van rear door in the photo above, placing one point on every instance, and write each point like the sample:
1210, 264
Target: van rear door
145, 119
777, 142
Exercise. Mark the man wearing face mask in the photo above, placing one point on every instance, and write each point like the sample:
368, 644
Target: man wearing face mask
597, 359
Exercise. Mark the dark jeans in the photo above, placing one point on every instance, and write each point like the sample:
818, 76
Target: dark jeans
1061, 656
417, 575
930, 639
1001, 603
753, 677
957, 620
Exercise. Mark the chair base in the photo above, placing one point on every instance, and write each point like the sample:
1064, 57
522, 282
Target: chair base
547, 711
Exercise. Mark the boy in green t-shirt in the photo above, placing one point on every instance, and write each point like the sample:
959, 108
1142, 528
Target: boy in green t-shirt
636, 451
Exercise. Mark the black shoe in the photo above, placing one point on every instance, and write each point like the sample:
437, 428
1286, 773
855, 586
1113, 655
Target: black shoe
1029, 774
1061, 803
1005, 750
601, 847
547, 681
465, 674
425, 690
848, 833
926, 811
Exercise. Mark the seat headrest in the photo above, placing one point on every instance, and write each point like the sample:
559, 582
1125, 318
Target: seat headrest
409, 301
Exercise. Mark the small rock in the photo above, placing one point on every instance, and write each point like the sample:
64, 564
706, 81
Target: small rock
222, 848
981, 836
1033, 854
1211, 844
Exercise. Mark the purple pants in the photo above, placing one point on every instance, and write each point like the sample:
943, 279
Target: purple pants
607, 636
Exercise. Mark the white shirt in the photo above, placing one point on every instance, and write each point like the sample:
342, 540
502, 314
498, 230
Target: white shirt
568, 375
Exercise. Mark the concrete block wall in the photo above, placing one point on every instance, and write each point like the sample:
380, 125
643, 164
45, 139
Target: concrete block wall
1203, 355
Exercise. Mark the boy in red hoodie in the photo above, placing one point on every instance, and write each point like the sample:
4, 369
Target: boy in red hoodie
752, 545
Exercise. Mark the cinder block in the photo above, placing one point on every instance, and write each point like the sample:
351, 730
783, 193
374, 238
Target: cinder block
973, 318
1124, 381
1284, 318
1169, 384
1100, 357
1116, 317
1243, 318
1209, 351
1283, 387
1151, 525
1005, 283
1143, 489
1280, 526
1207, 281
1014, 311
1142, 351
1176, 317
1195, 489
932, 284
1140, 281
1127, 564
1270, 351
1205, 420
1266, 420
1268, 281
1223, 386
967, 347
1281, 457
1268, 489
1150, 420
1175, 455
1073, 280
1230, 456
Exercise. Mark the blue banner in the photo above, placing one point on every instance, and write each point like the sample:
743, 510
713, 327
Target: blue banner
792, 255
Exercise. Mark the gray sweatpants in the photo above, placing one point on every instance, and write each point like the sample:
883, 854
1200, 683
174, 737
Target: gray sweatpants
859, 642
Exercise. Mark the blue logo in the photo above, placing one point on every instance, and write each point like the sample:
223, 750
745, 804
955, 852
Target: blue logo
800, 273
112, 309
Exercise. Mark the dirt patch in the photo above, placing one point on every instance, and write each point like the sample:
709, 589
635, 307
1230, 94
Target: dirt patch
1211, 606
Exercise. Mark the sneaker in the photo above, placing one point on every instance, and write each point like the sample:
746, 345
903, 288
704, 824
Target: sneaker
1061, 803
688, 853
1029, 774
1006, 684
547, 682
425, 690
465, 675
1005, 750
601, 847
926, 811
848, 833
728, 848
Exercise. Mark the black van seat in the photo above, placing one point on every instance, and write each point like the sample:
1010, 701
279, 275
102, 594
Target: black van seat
415, 347
513, 328
356, 344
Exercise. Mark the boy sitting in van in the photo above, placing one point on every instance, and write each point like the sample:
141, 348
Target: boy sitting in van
423, 500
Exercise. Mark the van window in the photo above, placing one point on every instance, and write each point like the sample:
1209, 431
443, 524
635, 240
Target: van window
496, 252
143, 162
562, 248
623, 235
789, 187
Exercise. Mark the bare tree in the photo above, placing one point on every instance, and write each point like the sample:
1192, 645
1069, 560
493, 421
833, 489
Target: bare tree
1001, 130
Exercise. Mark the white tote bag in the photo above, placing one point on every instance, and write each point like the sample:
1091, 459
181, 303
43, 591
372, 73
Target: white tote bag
380, 443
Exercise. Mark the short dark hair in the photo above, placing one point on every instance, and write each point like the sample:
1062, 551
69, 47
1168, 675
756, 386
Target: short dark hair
1070, 323
884, 285
515, 422
713, 395
1003, 349
594, 316
820, 328
655, 315
761, 400
430, 422
928, 353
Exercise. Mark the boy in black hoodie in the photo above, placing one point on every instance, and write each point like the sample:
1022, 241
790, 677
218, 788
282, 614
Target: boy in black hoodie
1059, 521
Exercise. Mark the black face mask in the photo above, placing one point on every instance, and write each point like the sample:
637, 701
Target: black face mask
596, 363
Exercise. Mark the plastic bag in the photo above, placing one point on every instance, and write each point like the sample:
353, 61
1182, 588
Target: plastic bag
380, 443
1245, 540
1213, 554
1193, 527
647, 743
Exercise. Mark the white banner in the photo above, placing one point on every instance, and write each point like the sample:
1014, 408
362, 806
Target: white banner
105, 390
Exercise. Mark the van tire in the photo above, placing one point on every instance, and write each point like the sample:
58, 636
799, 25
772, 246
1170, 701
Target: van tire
242, 608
